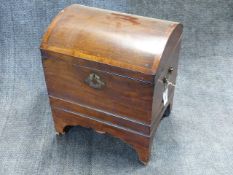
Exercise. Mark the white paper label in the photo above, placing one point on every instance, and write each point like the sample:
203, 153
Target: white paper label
165, 96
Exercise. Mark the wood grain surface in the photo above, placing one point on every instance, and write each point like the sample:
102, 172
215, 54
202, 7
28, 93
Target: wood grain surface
108, 71
122, 40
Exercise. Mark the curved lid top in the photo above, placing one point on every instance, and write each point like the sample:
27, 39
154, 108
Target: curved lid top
122, 40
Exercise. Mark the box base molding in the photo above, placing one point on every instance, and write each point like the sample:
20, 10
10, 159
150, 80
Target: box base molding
141, 143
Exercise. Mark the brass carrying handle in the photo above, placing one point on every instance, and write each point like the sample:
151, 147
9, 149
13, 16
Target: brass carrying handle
93, 80
166, 80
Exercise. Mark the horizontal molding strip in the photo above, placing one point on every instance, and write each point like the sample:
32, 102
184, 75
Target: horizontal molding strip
101, 111
95, 69
101, 121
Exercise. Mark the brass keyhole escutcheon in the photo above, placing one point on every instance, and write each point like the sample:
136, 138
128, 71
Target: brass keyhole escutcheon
94, 81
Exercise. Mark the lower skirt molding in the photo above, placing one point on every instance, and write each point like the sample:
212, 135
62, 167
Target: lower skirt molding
137, 134
141, 143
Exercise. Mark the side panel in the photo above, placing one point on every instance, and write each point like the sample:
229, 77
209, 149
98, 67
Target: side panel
165, 65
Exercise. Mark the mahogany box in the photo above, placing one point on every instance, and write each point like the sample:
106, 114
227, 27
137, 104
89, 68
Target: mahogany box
112, 72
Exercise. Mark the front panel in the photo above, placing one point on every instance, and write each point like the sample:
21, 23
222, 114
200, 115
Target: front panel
111, 93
